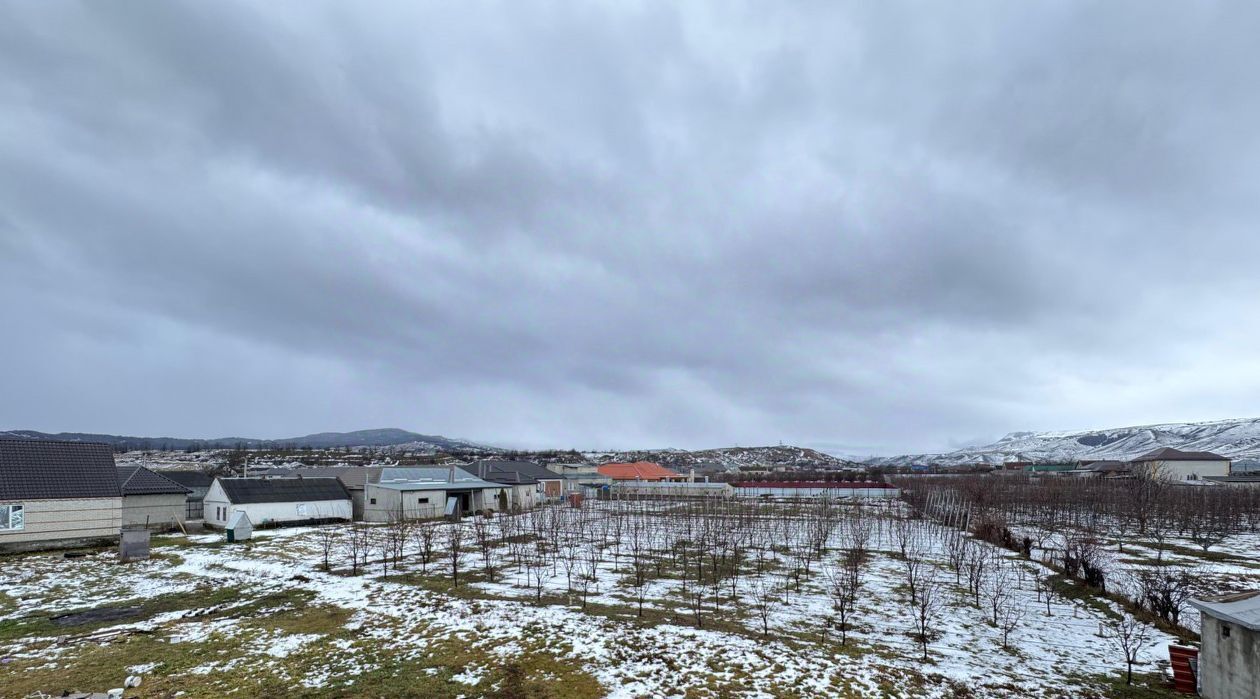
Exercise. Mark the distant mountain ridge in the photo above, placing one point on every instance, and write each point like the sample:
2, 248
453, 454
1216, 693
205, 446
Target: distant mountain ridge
1238, 439
388, 437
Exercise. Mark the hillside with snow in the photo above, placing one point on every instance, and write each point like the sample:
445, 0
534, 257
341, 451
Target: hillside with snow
1238, 439
733, 458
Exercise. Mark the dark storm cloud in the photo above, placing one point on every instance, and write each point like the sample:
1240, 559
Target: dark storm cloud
872, 227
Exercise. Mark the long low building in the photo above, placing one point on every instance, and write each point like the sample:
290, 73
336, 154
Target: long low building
57, 494
274, 501
814, 489
667, 490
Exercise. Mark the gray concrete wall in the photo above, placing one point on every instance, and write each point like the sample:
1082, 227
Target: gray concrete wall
391, 503
64, 523
1229, 667
159, 512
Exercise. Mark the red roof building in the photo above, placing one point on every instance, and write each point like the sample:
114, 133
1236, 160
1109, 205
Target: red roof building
638, 471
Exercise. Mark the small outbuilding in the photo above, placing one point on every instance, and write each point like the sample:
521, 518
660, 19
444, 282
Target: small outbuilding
239, 528
274, 501
150, 500
1229, 661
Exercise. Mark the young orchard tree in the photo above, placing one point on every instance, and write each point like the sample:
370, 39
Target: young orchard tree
1129, 636
454, 540
763, 599
844, 588
926, 609
483, 535
329, 540
425, 536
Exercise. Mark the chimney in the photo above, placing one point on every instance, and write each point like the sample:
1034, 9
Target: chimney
691, 478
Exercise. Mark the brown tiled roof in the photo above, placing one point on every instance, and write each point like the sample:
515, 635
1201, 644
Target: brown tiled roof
47, 470
638, 470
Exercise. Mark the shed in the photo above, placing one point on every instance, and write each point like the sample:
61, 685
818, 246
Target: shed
57, 494
150, 500
278, 500
239, 528
547, 485
1229, 661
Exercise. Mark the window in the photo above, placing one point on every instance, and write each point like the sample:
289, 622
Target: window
301, 509
1224, 630
11, 518
423, 501
373, 501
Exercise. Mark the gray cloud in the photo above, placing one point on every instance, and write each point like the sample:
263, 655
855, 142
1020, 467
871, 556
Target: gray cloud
870, 227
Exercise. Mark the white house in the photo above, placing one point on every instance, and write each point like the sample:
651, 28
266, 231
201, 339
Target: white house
1176, 465
277, 500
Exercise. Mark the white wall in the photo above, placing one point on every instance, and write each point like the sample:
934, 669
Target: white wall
218, 509
76, 519
1186, 470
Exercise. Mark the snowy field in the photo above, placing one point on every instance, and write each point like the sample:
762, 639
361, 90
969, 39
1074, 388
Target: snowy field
547, 604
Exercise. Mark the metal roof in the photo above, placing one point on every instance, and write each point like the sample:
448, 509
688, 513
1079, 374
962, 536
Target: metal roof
190, 479
514, 472
426, 473
1242, 608
1170, 454
411, 486
49, 470
353, 477
243, 491
138, 480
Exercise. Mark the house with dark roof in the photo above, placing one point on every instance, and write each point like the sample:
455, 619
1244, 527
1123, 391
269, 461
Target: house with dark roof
57, 494
355, 478
1171, 464
531, 484
197, 482
151, 500
275, 501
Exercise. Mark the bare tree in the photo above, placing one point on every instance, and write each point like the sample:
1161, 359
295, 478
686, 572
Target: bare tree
844, 588
926, 609
1129, 635
454, 541
329, 540
425, 536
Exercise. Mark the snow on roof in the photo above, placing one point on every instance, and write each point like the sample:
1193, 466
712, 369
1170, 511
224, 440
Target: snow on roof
1242, 608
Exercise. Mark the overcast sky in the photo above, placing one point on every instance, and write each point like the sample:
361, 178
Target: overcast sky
864, 227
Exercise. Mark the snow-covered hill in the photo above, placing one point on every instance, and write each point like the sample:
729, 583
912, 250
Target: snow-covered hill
1238, 439
734, 458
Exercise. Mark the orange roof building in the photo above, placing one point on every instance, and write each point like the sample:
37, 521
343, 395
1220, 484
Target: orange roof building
638, 471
